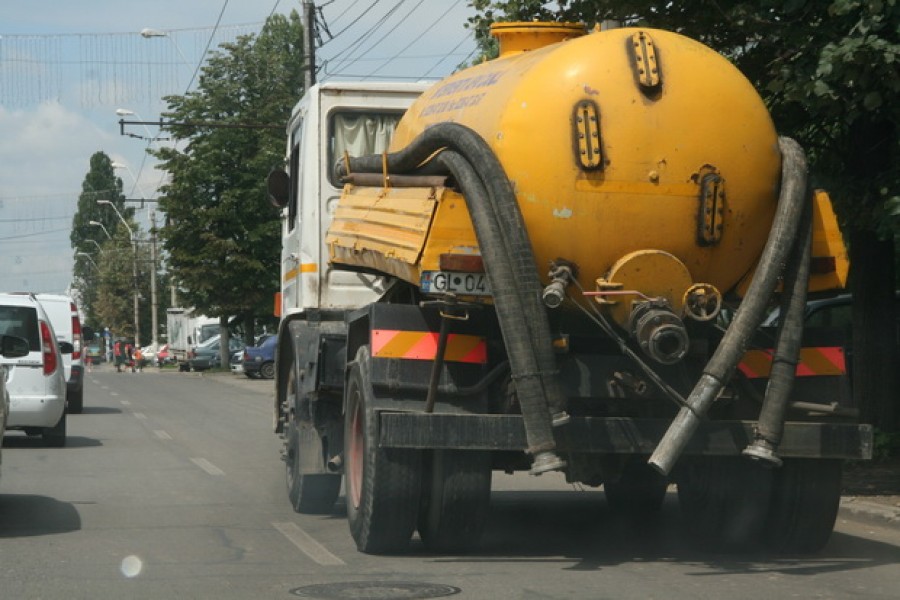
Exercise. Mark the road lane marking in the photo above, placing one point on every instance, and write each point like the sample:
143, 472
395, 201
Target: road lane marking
123, 402
161, 434
115, 394
207, 466
308, 545
140, 415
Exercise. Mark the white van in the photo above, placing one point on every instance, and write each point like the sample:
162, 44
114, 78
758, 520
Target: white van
35, 382
63, 313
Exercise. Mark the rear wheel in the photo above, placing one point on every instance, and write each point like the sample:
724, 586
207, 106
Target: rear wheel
804, 506
638, 490
456, 493
55, 437
267, 370
382, 484
725, 501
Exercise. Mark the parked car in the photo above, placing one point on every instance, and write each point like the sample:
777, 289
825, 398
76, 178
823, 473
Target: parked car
259, 360
36, 382
63, 314
10, 347
207, 356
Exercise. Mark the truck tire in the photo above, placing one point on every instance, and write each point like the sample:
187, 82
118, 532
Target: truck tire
725, 501
456, 495
75, 402
267, 370
382, 485
805, 504
640, 490
55, 437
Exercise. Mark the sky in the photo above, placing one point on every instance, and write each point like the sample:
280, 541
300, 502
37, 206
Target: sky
67, 66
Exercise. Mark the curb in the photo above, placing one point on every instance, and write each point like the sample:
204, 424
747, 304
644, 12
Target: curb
885, 514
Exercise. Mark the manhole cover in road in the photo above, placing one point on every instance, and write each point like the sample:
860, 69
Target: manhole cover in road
376, 590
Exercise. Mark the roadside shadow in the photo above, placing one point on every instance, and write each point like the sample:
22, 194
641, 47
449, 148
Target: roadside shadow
26, 515
25, 441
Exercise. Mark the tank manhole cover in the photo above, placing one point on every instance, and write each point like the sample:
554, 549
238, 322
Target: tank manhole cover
376, 590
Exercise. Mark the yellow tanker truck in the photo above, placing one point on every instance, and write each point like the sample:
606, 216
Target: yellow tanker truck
559, 260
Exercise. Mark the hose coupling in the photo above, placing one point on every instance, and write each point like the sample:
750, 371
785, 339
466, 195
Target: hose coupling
561, 275
659, 332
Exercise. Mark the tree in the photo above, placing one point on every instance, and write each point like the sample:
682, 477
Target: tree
222, 236
829, 74
100, 183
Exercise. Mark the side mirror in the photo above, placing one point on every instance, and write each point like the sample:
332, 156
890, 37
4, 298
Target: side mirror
278, 187
88, 334
12, 346
66, 347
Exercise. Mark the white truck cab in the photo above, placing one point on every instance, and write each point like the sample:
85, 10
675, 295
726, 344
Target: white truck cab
332, 118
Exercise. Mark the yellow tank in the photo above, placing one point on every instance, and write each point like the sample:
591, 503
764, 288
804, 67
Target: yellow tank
690, 115
641, 156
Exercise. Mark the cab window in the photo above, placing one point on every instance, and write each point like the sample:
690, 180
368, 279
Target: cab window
359, 134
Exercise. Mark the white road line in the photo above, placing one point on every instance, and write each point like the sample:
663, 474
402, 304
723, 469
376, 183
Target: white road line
308, 545
161, 434
207, 466
140, 415
123, 402
115, 394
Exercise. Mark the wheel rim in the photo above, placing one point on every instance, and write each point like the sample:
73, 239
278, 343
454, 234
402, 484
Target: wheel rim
355, 453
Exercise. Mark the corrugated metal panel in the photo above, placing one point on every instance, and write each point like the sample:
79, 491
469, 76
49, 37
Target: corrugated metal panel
383, 229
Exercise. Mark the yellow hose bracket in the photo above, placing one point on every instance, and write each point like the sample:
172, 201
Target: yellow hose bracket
384, 171
586, 123
646, 66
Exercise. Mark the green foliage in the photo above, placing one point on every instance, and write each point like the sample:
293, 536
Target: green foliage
886, 445
100, 183
222, 236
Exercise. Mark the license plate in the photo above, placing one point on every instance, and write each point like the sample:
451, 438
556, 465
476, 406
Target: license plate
465, 284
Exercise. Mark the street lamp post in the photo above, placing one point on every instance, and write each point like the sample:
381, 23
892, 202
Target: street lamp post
101, 226
137, 322
89, 257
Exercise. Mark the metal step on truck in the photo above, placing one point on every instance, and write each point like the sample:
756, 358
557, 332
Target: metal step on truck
479, 275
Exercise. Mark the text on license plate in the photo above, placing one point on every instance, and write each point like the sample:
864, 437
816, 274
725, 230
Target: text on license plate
468, 284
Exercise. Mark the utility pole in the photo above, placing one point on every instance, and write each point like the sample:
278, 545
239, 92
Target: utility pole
309, 33
154, 317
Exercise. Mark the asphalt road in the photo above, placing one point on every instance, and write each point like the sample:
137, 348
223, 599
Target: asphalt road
171, 487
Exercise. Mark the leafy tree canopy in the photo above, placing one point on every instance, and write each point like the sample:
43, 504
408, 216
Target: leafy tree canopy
221, 235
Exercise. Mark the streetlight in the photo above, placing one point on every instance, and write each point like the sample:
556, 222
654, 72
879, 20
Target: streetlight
137, 322
94, 242
148, 32
101, 226
89, 257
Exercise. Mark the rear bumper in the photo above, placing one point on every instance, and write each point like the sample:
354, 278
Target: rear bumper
616, 435
35, 411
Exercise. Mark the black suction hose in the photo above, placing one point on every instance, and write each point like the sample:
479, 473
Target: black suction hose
770, 428
724, 361
509, 263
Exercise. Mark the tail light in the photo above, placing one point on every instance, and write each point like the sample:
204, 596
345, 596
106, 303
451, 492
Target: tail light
48, 348
76, 333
